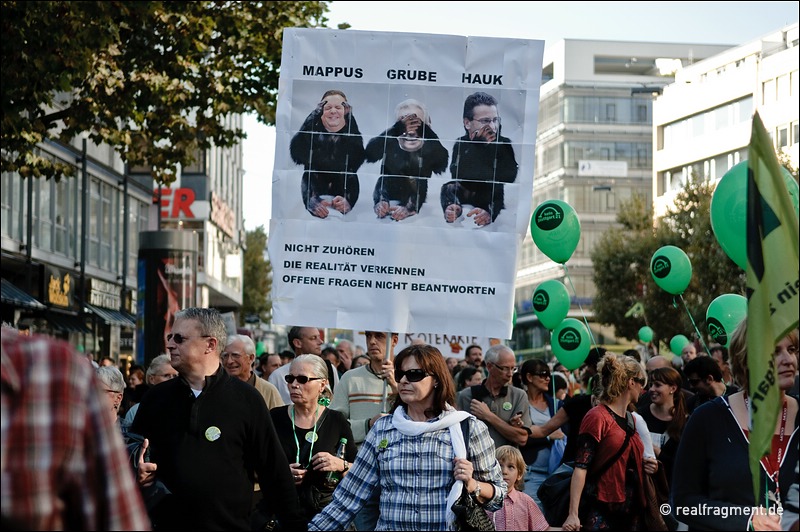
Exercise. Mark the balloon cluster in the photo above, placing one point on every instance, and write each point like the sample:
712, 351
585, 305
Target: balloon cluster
556, 231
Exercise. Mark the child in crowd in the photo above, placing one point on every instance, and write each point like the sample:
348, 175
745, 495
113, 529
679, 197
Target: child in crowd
519, 512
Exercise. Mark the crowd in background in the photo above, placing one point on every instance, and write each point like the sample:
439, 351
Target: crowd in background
619, 421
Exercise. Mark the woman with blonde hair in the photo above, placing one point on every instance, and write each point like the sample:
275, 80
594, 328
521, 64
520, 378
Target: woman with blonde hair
610, 453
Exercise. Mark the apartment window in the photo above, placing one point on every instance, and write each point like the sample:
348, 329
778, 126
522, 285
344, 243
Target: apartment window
769, 92
611, 112
783, 137
641, 113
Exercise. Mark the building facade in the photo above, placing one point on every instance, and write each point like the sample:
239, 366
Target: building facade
70, 246
594, 149
702, 122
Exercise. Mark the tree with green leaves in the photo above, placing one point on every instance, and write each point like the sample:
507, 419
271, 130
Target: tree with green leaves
257, 277
622, 267
154, 80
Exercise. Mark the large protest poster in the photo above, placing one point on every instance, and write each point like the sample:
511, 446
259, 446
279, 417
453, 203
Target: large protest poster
400, 142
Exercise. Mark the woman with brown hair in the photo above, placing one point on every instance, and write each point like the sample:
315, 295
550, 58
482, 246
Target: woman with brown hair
665, 415
418, 455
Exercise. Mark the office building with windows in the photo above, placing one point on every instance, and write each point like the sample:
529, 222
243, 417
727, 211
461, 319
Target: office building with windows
594, 149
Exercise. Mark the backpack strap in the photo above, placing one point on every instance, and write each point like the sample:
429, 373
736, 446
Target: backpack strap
465, 432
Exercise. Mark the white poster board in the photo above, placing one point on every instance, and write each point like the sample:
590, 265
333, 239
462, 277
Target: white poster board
420, 274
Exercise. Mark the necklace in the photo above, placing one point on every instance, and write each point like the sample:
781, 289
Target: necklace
313, 436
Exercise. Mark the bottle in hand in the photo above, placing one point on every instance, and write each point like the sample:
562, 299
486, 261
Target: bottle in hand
333, 477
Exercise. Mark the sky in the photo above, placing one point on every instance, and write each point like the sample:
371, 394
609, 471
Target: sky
733, 23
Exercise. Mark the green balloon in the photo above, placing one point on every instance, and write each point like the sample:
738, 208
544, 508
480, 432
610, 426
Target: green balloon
646, 334
677, 344
729, 213
570, 342
260, 348
671, 269
729, 210
551, 303
514, 318
556, 230
723, 316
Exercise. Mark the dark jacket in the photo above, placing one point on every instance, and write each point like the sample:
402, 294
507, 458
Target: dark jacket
712, 468
207, 449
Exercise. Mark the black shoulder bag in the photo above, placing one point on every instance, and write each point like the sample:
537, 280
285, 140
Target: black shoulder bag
554, 491
470, 516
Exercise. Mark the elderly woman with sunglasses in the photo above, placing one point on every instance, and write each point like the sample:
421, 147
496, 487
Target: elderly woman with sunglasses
309, 433
418, 456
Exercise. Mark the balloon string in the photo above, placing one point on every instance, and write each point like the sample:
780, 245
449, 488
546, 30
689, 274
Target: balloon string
699, 336
583, 314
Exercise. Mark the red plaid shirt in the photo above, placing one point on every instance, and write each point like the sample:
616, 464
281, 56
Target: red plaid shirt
519, 512
64, 463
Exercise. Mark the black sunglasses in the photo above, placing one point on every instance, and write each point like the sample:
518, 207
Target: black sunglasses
411, 375
178, 338
640, 380
302, 379
542, 374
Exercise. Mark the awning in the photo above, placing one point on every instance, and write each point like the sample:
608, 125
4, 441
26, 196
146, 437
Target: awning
113, 317
14, 296
67, 323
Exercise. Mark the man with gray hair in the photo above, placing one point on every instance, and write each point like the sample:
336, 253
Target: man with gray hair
208, 435
238, 359
495, 401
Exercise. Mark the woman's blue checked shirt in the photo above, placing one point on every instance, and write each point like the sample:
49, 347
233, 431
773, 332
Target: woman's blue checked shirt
415, 474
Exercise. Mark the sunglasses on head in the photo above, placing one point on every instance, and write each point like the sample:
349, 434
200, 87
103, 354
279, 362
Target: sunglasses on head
411, 375
302, 379
178, 338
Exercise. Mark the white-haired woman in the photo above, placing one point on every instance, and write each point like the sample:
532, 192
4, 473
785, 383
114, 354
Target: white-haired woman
310, 432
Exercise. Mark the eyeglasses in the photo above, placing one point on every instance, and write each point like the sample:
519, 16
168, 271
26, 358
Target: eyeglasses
302, 379
115, 392
178, 338
640, 380
167, 375
236, 356
507, 369
542, 374
487, 121
411, 375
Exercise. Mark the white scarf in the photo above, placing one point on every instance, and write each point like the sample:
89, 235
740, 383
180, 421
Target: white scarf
451, 419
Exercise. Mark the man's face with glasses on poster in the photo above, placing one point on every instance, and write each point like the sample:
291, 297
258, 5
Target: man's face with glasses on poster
484, 125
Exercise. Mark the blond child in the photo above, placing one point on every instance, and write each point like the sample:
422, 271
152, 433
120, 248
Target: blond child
519, 512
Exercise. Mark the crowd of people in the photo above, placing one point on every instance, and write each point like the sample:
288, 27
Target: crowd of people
312, 438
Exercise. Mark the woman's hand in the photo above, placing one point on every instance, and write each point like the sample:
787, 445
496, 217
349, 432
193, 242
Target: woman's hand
323, 461
650, 466
572, 523
298, 473
766, 521
462, 470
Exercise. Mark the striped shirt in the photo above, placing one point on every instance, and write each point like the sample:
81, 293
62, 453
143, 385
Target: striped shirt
415, 474
64, 463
